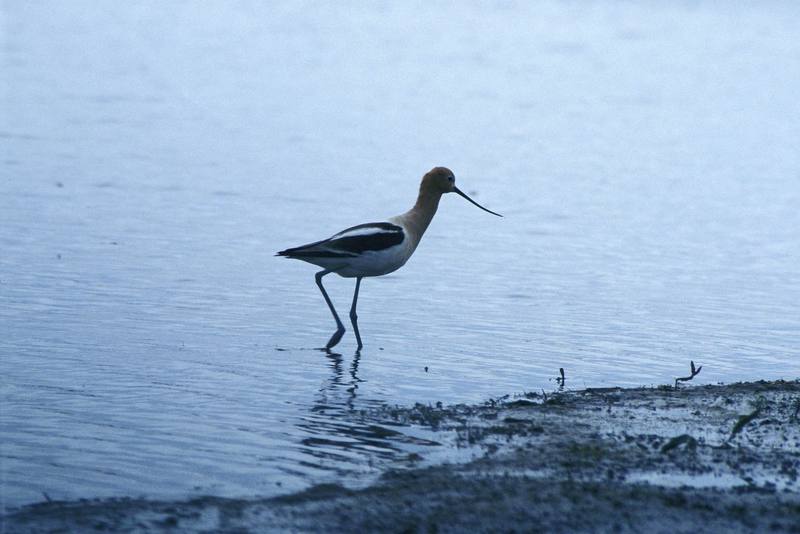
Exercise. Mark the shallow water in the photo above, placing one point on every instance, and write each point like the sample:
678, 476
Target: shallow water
155, 157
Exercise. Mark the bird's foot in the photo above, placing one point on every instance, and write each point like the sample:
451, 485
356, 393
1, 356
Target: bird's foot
335, 338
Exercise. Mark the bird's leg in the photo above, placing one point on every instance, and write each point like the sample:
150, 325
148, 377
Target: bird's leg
339, 326
353, 316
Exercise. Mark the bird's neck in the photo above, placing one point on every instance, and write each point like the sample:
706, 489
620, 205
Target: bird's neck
420, 216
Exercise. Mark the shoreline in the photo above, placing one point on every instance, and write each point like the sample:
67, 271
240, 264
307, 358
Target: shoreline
719, 457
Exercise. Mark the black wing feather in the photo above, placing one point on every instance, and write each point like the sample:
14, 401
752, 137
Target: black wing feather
349, 246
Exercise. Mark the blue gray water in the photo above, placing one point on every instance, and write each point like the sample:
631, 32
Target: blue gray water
156, 155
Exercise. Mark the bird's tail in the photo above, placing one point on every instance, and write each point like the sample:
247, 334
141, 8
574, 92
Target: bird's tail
302, 251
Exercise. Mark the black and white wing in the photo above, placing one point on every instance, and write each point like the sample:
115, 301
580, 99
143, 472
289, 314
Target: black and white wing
351, 243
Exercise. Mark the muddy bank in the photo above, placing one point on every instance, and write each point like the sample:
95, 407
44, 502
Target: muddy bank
710, 458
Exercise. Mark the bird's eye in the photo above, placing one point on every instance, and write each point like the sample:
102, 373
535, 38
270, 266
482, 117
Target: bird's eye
451, 178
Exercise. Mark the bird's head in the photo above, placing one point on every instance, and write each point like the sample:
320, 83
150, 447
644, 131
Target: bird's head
441, 180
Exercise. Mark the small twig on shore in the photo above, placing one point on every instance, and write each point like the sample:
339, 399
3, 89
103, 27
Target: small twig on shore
686, 439
695, 372
560, 381
743, 420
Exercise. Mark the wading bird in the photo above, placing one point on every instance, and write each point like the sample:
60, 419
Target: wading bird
379, 248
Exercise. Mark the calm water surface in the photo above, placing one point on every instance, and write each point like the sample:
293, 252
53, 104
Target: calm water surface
154, 157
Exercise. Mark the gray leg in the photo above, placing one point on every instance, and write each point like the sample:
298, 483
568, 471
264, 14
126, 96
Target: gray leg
353, 316
339, 326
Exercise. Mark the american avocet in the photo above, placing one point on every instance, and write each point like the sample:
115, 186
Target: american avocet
375, 249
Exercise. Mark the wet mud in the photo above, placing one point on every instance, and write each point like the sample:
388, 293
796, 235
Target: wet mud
692, 459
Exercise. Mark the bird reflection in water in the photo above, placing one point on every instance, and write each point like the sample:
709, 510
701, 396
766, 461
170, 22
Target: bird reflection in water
337, 382
346, 433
